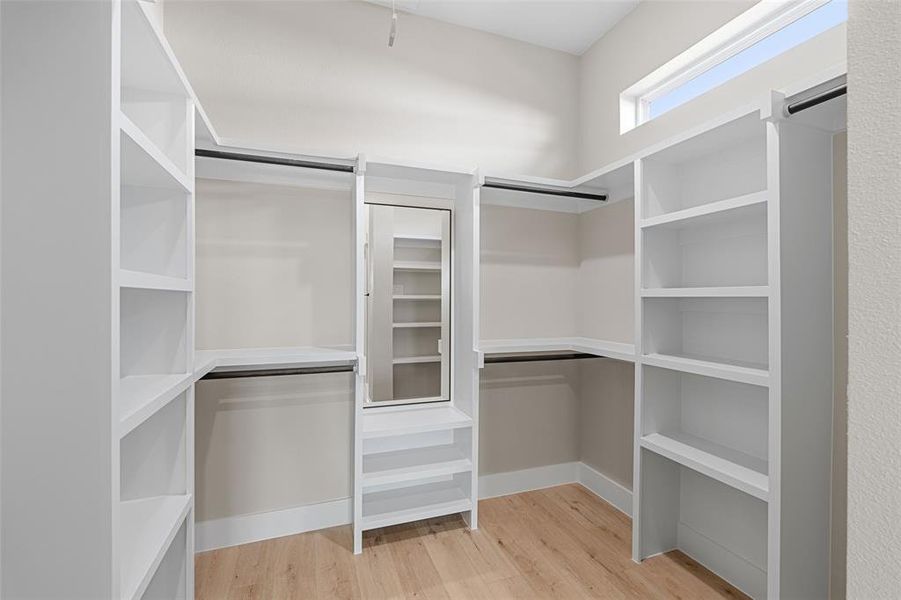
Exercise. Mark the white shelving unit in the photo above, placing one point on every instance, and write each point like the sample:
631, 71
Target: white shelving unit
156, 308
733, 371
418, 461
109, 425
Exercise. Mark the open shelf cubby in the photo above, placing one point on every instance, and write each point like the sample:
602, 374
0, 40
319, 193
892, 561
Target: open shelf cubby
724, 331
724, 163
717, 427
154, 332
722, 527
154, 501
153, 94
728, 249
153, 231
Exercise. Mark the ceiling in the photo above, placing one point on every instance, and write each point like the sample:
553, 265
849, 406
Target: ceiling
568, 25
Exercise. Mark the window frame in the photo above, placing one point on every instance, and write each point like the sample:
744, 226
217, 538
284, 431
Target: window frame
742, 32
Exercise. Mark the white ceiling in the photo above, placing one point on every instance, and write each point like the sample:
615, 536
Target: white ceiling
568, 25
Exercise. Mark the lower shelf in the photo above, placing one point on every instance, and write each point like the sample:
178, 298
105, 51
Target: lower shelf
404, 505
148, 527
414, 464
736, 469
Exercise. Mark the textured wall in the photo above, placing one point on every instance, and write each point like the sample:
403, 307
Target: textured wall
874, 299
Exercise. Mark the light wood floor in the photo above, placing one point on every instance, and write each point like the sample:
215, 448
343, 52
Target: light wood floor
561, 542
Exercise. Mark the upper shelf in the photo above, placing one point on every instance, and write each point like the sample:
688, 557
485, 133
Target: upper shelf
144, 164
254, 358
601, 348
148, 62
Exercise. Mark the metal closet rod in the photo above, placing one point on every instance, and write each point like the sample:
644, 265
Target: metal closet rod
489, 360
826, 96
274, 160
546, 191
278, 372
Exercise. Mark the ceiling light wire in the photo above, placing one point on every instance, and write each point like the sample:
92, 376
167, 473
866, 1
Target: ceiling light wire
392, 35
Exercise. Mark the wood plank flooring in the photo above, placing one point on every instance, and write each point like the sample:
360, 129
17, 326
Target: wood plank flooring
561, 542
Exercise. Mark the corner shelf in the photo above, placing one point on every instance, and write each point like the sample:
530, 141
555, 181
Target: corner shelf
699, 366
736, 469
143, 395
148, 527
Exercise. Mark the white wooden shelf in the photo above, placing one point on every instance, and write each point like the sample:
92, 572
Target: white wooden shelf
417, 297
414, 360
146, 165
141, 396
413, 464
736, 469
742, 373
384, 422
416, 265
237, 359
741, 291
152, 281
148, 527
602, 348
414, 325
417, 241
713, 212
404, 505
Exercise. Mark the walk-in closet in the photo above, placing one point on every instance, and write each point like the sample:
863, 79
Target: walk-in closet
367, 299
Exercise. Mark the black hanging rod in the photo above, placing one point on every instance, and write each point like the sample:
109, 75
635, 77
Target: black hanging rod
274, 160
546, 191
538, 357
826, 96
278, 372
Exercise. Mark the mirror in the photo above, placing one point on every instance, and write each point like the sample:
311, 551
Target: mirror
407, 253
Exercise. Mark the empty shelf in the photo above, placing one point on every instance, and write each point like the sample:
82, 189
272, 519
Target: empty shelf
601, 348
414, 464
413, 360
141, 396
422, 325
742, 291
251, 358
416, 265
384, 422
151, 281
148, 527
420, 297
734, 468
146, 165
723, 210
754, 375
404, 505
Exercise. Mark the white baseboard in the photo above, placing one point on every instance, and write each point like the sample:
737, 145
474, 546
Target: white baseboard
243, 529
605, 488
514, 482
